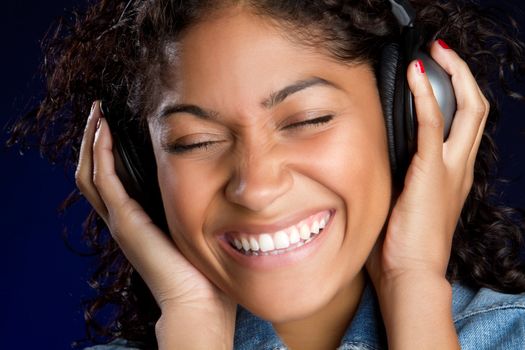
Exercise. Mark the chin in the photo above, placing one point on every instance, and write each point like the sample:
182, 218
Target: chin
281, 307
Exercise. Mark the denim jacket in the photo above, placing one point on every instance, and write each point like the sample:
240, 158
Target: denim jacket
484, 319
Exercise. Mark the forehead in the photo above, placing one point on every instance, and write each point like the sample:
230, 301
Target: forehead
239, 57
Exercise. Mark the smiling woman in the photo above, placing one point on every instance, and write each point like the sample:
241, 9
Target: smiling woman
287, 216
268, 168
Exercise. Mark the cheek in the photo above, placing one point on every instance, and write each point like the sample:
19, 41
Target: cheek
352, 160
188, 191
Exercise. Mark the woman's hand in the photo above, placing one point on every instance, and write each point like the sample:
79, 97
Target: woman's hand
195, 313
408, 266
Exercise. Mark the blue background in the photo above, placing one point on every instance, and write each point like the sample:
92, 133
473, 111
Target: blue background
42, 281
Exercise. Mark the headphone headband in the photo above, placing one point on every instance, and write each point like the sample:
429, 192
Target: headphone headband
404, 12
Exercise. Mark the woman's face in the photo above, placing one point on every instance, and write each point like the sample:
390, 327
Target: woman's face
272, 162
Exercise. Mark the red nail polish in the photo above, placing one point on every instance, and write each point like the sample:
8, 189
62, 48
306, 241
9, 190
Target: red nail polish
420, 66
443, 44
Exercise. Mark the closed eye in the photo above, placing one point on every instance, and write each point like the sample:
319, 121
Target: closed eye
179, 148
310, 122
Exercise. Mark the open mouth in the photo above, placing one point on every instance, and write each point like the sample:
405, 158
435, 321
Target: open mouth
282, 241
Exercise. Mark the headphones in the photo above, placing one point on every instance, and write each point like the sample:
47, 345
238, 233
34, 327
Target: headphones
397, 99
134, 160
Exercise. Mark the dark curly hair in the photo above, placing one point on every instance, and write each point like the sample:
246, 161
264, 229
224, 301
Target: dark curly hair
115, 50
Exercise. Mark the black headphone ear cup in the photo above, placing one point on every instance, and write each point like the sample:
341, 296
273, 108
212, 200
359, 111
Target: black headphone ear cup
135, 161
139, 161
391, 83
131, 149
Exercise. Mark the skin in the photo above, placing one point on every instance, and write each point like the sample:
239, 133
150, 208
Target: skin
260, 171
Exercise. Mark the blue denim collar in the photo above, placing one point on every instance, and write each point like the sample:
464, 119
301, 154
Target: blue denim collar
366, 331
252, 332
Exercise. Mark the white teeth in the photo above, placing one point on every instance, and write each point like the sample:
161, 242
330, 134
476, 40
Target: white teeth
294, 235
281, 240
254, 245
315, 227
304, 231
266, 242
245, 244
237, 243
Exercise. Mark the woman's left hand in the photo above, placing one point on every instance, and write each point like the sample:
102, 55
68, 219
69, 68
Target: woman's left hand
410, 262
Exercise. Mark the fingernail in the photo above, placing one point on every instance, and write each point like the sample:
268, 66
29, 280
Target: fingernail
443, 44
93, 107
420, 66
99, 121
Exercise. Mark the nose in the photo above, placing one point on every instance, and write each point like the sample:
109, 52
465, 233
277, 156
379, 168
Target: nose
258, 180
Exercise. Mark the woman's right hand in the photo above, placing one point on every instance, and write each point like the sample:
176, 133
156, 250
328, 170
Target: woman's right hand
195, 313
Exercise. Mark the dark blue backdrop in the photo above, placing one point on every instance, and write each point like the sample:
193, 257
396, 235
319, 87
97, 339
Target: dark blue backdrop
42, 282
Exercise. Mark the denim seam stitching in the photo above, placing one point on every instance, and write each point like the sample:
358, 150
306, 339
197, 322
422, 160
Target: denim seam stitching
493, 308
366, 346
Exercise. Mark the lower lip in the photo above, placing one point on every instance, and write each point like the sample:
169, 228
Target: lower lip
268, 262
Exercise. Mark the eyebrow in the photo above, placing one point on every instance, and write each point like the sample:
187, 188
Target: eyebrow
274, 99
187, 108
279, 96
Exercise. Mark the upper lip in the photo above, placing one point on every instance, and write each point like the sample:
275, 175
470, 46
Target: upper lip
251, 228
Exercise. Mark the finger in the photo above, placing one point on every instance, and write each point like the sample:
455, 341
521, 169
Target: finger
105, 177
84, 171
474, 152
429, 117
471, 109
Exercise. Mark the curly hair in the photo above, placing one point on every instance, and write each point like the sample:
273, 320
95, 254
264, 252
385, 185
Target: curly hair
116, 50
